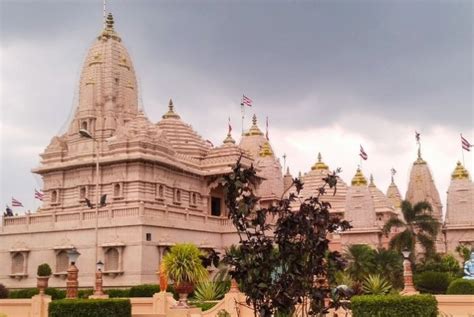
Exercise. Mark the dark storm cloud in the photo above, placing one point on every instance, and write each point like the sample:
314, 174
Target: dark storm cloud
403, 60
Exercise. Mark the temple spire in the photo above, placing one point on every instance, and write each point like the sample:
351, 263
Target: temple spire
170, 113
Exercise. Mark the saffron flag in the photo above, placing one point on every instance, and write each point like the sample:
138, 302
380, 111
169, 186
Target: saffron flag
465, 144
39, 195
363, 154
16, 203
246, 101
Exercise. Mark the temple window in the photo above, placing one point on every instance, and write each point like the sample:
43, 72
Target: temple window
177, 196
55, 197
112, 259
193, 199
62, 261
160, 192
19, 263
216, 206
118, 190
82, 193
84, 125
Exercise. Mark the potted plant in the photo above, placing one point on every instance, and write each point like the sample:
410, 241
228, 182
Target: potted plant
43, 275
184, 266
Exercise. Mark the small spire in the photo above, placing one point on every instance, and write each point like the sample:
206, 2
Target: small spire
288, 171
266, 150
109, 31
359, 179
319, 165
229, 139
254, 129
170, 113
372, 180
460, 172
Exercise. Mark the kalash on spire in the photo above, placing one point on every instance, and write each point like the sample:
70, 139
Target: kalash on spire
108, 95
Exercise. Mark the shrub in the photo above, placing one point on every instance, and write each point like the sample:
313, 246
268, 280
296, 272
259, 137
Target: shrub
90, 308
204, 305
376, 285
144, 290
394, 306
432, 282
210, 290
183, 264
118, 292
461, 286
44, 270
3, 291
55, 293
85, 293
24, 293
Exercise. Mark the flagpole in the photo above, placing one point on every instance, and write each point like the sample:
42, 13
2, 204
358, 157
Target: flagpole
462, 152
242, 110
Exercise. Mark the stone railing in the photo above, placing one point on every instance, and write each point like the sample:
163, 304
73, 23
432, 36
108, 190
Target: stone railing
112, 216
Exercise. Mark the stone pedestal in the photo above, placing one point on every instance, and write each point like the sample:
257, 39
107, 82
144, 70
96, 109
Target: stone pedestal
409, 288
162, 303
39, 305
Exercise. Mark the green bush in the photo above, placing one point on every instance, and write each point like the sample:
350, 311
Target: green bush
90, 308
461, 286
55, 293
85, 293
204, 305
3, 291
118, 292
44, 270
432, 282
394, 306
144, 290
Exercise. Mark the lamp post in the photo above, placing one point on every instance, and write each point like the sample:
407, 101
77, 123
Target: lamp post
408, 289
72, 283
99, 292
86, 134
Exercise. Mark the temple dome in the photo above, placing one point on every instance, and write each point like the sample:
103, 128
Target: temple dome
108, 94
253, 140
313, 180
181, 135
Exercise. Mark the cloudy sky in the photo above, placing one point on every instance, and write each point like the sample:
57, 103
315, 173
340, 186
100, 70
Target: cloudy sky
330, 75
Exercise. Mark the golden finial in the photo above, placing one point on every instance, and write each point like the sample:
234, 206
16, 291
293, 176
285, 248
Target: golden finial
319, 165
109, 31
170, 113
359, 179
460, 172
254, 129
266, 150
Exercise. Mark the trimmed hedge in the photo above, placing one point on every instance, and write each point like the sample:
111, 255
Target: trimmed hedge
55, 293
90, 308
432, 282
394, 306
460, 287
118, 292
144, 290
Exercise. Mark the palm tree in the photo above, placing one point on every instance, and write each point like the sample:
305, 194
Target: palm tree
361, 261
419, 227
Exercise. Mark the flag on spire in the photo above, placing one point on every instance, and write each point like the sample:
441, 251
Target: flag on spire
16, 203
266, 134
466, 145
363, 154
246, 101
39, 195
230, 127
394, 171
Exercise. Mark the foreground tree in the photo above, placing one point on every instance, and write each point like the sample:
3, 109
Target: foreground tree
283, 265
418, 225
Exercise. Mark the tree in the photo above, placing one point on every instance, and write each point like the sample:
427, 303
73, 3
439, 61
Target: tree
419, 226
361, 261
282, 265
